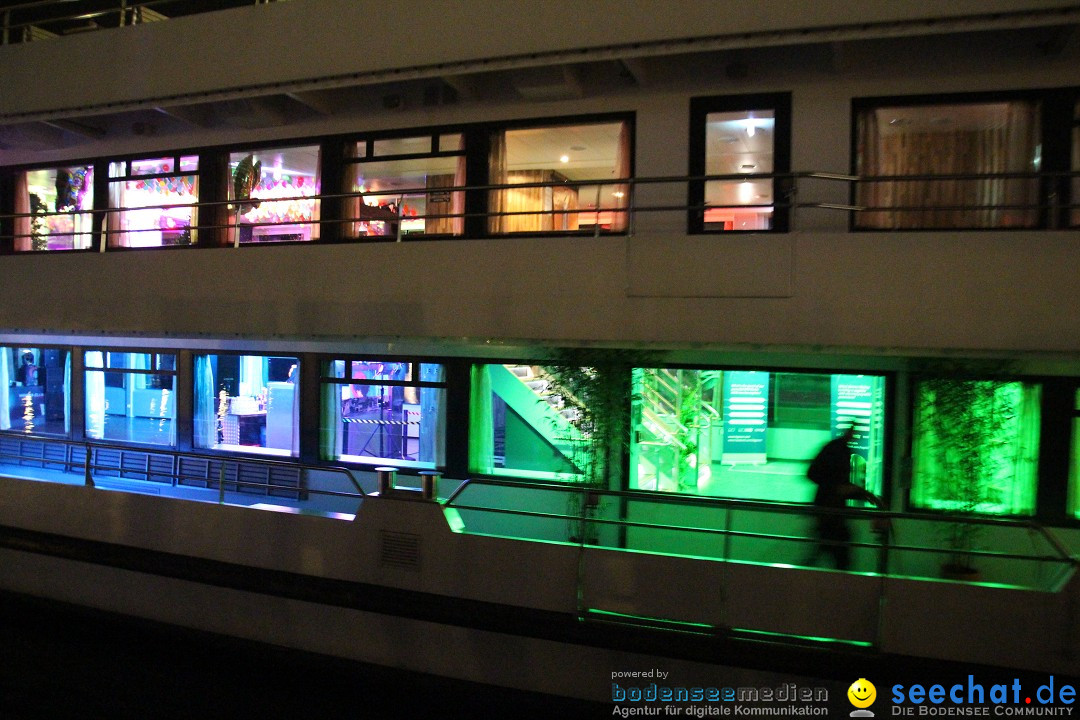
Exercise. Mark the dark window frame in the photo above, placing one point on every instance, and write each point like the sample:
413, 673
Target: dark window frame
1056, 119
700, 107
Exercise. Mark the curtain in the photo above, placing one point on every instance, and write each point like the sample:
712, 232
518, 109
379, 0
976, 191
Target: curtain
252, 375
330, 430
193, 226
23, 241
67, 393
5, 383
95, 395
457, 200
114, 221
432, 416
619, 217
481, 425
295, 380
497, 175
205, 426
316, 212
980, 139
355, 176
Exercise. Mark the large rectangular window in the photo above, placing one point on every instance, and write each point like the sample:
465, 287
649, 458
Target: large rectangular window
156, 200
572, 177
957, 165
131, 397
751, 433
272, 194
54, 201
741, 143
406, 186
975, 446
34, 384
247, 403
384, 412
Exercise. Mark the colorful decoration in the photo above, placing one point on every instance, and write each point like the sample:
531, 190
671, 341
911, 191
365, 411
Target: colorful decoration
246, 177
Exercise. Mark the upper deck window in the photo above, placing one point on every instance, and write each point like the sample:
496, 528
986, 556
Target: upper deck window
272, 191
958, 165
741, 143
573, 177
54, 201
402, 181
155, 198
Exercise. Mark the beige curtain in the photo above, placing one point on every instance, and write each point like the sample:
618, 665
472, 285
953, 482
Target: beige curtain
316, 211
1007, 147
114, 220
457, 200
497, 175
620, 216
23, 241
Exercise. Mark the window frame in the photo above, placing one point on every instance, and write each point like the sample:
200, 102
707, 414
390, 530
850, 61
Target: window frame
480, 155
106, 368
700, 108
415, 361
104, 181
68, 400
1057, 107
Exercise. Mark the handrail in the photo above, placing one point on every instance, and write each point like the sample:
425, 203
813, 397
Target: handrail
176, 476
628, 206
802, 509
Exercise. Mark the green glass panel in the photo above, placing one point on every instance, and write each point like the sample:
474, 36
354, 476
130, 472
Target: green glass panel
976, 446
750, 434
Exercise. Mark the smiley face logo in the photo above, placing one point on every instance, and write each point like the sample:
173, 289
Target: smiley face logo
862, 693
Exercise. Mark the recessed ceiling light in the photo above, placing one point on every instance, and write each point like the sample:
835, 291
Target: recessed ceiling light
564, 159
748, 166
577, 148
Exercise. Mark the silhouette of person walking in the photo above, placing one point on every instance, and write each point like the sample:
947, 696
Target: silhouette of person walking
831, 472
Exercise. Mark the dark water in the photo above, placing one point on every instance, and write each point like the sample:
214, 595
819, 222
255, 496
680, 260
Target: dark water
57, 661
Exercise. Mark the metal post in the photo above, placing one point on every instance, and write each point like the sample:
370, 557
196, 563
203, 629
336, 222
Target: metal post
387, 480
88, 478
429, 484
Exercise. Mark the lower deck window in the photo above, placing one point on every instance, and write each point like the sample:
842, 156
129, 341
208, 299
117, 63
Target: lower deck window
131, 397
34, 386
750, 434
386, 412
975, 446
247, 403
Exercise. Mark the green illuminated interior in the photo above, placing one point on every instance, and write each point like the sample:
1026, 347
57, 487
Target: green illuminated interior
1074, 465
976, 446
524, 423
750, 434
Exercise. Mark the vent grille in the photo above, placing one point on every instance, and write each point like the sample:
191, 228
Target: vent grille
400, 550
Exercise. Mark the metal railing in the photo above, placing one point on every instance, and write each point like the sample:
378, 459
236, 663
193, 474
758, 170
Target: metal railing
741, 529
220, 218
222, 473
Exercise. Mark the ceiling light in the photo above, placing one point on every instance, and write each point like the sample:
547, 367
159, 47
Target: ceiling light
564, 159
748, 166
618, 194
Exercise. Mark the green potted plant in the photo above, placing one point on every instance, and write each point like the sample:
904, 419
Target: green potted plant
966, 427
